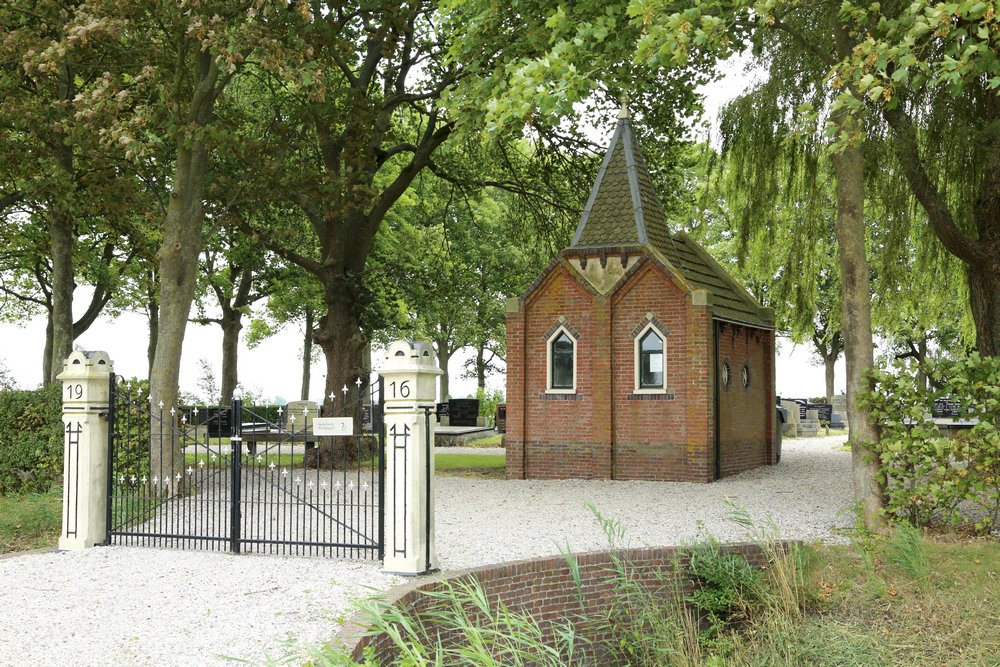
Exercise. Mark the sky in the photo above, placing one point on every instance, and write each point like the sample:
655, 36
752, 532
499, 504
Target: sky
274, 368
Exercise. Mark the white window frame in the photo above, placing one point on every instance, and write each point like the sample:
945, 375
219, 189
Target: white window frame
636, 361
549, 389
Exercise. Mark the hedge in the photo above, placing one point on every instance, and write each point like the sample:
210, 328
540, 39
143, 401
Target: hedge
31, 439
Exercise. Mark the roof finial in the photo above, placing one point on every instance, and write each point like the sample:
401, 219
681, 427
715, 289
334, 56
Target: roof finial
623, 113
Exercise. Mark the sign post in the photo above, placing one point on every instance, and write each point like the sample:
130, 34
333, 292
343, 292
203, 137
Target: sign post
409, 379
86, 406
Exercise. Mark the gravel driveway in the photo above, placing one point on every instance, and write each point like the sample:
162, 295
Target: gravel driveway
133, 606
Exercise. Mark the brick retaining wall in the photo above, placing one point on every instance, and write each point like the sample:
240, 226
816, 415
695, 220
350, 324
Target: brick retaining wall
544, 588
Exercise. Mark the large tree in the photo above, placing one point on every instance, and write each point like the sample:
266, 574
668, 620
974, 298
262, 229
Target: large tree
168, 69
932, 72
59, 174
387, 86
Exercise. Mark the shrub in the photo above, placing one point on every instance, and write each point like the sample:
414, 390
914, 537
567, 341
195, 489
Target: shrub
930, 478
488, 402
725, 585
31, 439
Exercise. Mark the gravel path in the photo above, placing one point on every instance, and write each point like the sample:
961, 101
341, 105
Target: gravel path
133, 606
808, 494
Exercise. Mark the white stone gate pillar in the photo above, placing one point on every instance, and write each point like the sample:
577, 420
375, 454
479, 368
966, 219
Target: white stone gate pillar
409, 385
86, 401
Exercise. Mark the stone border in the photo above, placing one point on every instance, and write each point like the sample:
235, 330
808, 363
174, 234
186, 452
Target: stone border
543, 587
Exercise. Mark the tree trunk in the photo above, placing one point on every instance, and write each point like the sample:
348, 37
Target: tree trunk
857, 326
232, 324
340, 337
481, 367
47, 352
980, 254
61, 250
444, 353
153, 311
829, 362
922, 361
178, 267
307, 348
984, 300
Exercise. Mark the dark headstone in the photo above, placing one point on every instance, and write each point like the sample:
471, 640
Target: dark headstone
501, 419
463, 411
825, 411
216, 421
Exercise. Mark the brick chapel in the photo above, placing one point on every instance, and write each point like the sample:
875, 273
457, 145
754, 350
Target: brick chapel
635, 355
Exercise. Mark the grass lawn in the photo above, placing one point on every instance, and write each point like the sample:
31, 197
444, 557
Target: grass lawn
490, 466
30, 520
285, 459
491, 441
893, 602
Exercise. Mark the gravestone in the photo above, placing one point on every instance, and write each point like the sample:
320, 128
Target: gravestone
839, 417
463, 412
790, 429
303, 411
809, 426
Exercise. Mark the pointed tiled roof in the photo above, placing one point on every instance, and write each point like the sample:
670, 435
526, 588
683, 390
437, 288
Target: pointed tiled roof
622, 207
623, 210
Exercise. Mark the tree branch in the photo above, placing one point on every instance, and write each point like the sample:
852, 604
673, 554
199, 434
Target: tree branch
938, 213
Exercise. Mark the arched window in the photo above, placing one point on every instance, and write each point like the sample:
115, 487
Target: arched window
651, 361
561, 362
650, 357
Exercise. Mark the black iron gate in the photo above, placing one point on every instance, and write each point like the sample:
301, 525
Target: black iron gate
247, 478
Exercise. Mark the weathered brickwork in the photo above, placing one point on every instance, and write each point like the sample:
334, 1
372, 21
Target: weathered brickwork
745, 413
545, 588
608, 430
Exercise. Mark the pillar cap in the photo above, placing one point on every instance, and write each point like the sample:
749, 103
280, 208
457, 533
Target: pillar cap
87, 361
411, 356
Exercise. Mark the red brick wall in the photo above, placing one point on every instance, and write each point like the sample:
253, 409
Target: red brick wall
607, 431
560, 435
655, 437
746, 415
544, 588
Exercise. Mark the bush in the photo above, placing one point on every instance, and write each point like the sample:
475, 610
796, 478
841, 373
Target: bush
488, 402
930, 478
31, 439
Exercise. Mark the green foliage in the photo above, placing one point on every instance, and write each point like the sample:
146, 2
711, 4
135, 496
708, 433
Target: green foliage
132, 429
489, 399
31, 439
6, 378
725, 584
928, 476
